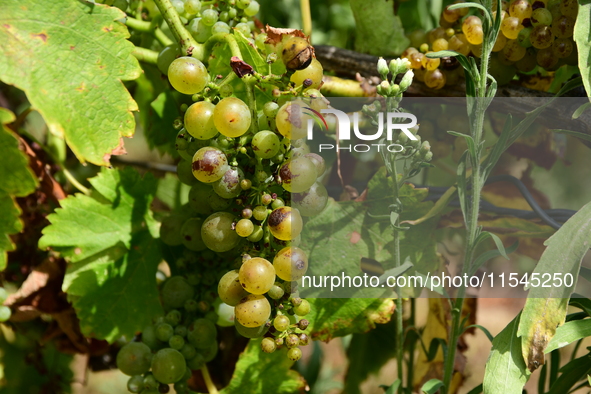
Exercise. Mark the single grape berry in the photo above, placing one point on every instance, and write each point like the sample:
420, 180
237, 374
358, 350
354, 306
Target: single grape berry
244, 227
176, 291
268, 345
285, 223
297, 53
257, 275
253, 311
265, 144
230, 290
292, 340
168, 366
281, 323
202, 333
218, 233
134, 359
199, 120
188, 75
298, 174
251, 332
314, 72
303, 309
209, 164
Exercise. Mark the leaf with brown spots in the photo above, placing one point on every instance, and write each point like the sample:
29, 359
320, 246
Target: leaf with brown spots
70, 58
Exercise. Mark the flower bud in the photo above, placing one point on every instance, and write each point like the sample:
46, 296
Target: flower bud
398, 66
425, 147
384, 88
428, 156
406, 80
383, 68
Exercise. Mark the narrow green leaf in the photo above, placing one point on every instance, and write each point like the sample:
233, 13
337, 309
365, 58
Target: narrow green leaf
469, 141
490, 254
476, 390
431, 386
583, 304
499, 244
577, 134
570, 374
500, 146
108, 239
393, 389
461, 180
579, 111
258, 372
70, 58
582, 36
568, 333
483, 329
437, 208
505, 371
546, 307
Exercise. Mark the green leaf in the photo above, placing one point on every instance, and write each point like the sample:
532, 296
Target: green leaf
335, 317
570, 374
367, 353
498, 243
108, 239
546, 307
259, 372
393, 389
579, 111
577, 134
17, 181
378, 31
505, 371
431, 386
172, 192
582, 37
568, 333
70, 58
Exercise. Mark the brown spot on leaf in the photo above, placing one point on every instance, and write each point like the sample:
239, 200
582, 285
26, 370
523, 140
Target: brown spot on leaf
72, 47
41, 36
107, 29
240, 67
355, 237
275, 34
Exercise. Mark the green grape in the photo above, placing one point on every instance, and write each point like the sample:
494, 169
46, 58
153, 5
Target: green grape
220, 27
192, 6
527, 63
252, 9
290, 263
209, 164
191, 305
253, 311
187, 75
292, 119
176, 342
510, 27
150, 383
225, 314
265, 144
298, 175
450, 16
3, 295
232, 12
513, 51
460, 44
541, 37
523, 37
435, 79
270, 109
303, 309
218, 232
191, 233
563, 47
541, 16
149, 338
268, 345
209, 17
134, 359
440, 44
164, 332
298, 148
257, 234
314, 72
199, 120
229, 184
285, 223
176, 291
202, 333
210, 353
278, 203
430, 64
230, 290
121, 4
170, 229
167, 56
500, 43
317, 101
417, 37
173, 317
198, 198
168, 366
311, 202
218, 203
199, 30
185, 173
178, 5
196, 362
472, 29
569, 8
243, 28
292, 341
434, 34
281, 323
243, 4
232, 117
257, 275
520, 9
546, 58
260, 212
304, 339
276, 291
135, 384
563, 27
180, 329
251, 332
244, 228
188, 351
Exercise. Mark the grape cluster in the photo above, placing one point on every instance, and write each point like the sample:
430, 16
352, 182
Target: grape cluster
536, 36
252, 182
5, 312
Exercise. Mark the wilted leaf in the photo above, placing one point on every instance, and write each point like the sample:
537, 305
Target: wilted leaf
545, 308
70, 58
582, 37
259, 372
108, 240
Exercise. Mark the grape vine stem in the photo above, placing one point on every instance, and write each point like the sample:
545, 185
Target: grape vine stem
208, 382
306, 17
183, 37
145, 55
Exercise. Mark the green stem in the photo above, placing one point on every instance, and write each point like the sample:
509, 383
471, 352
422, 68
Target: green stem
188, 44
208, 382
75, 182
411, 347
252, 103
162, 37
138, 25
145, 55
306, 17
223, 37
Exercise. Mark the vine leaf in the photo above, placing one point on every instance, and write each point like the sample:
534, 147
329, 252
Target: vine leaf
70, 58
506, 372
582, 37
569, 333
108, 239
259, 372
17, 181
546, 307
